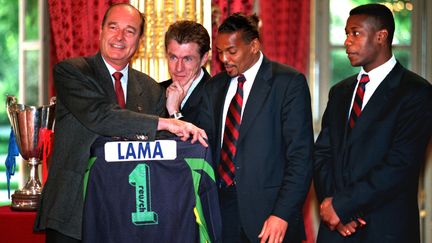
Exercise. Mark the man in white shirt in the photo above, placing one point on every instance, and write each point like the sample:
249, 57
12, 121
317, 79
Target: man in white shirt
374, 134
187, 45
100, 96
257, 115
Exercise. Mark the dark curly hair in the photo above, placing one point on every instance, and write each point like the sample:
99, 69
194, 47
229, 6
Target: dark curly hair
248, 25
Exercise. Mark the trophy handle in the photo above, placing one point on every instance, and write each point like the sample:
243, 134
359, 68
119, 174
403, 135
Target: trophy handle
52, 104
53, 100
10, 101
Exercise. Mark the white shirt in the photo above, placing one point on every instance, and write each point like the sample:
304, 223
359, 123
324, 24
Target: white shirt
124, 78
192, 87
376, 76
250, 75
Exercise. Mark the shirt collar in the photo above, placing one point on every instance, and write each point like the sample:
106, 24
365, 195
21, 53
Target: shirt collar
112, 70
251, 73
380, 72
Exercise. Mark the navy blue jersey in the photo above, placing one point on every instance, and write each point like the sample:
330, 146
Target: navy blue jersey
161, 191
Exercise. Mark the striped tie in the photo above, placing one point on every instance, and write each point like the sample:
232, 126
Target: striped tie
231, 134
358, 100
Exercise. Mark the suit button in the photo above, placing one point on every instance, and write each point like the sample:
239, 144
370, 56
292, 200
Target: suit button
142, 137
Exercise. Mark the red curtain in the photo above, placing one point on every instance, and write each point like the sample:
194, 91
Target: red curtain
285, 31
75, 29
285, 38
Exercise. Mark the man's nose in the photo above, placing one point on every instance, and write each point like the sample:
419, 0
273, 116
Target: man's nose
179, 65
119, 35
223, 57
347, 41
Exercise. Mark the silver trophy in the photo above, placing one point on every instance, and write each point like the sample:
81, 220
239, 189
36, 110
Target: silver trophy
28, 124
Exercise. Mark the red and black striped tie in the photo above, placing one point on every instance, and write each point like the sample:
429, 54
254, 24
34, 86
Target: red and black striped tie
358, 100
231, 134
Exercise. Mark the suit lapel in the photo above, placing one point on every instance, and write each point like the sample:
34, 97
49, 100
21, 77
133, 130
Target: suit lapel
257, 97
135, 100
195, 95
377, 102
343, 104
103, 76
344, 107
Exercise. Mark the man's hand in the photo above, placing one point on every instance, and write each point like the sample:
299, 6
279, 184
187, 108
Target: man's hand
348, 229
274, 230
328, 214
183, 129
351, 227
175, 95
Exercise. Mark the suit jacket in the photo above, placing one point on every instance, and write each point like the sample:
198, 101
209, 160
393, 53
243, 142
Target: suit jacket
190, 109
372, 171
273, 159
87, 109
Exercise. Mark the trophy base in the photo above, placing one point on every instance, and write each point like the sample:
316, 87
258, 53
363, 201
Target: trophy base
22, 201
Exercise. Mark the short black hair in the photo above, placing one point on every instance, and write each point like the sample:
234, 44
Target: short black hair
248, 25
382, 16
186, 31
126, 4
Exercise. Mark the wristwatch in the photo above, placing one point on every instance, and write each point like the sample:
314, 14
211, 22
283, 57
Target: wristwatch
176, 115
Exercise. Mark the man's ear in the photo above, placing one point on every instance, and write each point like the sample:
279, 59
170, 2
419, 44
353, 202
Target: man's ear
204, 59
256, 45
100, 32
141, 41
382, 36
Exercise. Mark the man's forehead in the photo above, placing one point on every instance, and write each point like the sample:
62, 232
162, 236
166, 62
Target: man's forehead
123, 13
190, 47
229, 40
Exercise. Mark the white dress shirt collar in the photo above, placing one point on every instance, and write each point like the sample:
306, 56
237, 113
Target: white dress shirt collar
379, 73
251, 73
123, 80
376, 76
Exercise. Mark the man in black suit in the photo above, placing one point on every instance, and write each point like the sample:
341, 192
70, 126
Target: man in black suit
262, 194
88, 108
187, 46
374, 133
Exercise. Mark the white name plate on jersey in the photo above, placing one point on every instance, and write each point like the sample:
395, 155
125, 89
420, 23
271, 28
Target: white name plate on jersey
138, 151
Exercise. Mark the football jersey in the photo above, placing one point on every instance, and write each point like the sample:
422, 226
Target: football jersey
160, 191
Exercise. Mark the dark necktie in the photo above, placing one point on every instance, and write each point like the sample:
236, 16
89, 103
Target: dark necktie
231, 134
358, 100
118, 89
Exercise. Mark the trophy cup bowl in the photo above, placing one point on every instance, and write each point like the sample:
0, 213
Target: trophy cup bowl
28, 123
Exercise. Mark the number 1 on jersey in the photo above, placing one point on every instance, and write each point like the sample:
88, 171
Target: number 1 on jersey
140, 179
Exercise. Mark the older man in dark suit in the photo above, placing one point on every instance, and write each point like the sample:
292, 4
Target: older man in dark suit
373, 139
187, 45
257, 115
99, 96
